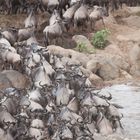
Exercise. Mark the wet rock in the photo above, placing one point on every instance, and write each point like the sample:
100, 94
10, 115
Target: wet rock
13, 78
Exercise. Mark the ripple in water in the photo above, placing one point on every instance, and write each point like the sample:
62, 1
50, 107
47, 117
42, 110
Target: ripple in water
128, 97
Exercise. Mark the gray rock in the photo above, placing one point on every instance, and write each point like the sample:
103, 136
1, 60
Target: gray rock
134, 58
109, 71
82, 39
12, 78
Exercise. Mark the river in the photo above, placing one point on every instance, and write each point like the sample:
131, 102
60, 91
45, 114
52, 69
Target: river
129, 97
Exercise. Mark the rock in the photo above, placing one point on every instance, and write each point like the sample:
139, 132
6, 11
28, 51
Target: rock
125, 74
134, 54
134, 58
4, 82
113, 49
109, 71
120, 62
107, 66
133, 36
85, 71
132, 21
82, 39
121, 38
68, 53
68, 43
134, 10
70, 61
102, 64
93, 65
95, 80
12, 78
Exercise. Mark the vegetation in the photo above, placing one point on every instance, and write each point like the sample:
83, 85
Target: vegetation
99, 39
81, 47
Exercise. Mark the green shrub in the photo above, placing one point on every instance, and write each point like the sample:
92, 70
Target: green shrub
81, 47
99, 39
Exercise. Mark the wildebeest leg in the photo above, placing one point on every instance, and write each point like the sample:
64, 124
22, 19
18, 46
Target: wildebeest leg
46, 43
71, 27
75, 26
86, 24
62, 38
103, 22
55, 41
91, 24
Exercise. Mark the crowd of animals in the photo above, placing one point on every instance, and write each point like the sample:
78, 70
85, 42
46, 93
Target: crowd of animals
14, 6
65, 15
60, 102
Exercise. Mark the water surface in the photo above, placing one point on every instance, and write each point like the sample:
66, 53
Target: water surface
128, 97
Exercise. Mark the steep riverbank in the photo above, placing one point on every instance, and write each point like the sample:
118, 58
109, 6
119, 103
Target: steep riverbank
118, 62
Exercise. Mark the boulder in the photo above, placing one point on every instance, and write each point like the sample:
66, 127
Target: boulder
125, 74
4, 82
135, 70
120, 62
109, 71
12, 78
82, 39
132, 36
57, 50
132, 21
134, 58
107, 66
95, 80
113, 49
134, 10
134, 54
93, 65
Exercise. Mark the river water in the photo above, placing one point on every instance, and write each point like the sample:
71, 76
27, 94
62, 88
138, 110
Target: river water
129, 97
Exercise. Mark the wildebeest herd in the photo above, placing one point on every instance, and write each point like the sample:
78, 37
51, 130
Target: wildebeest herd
65, 16
14, 6
60, 103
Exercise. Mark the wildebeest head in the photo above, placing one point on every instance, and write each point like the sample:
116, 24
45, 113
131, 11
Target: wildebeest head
103, 10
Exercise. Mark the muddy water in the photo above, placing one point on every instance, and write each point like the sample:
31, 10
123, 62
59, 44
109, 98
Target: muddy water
128, 97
